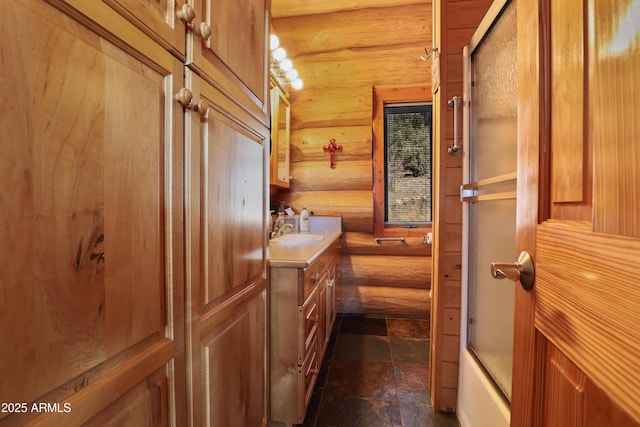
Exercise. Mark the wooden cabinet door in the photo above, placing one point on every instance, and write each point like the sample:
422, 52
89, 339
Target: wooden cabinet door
165, 21
226, 231
91, 288
234, 59
577, 351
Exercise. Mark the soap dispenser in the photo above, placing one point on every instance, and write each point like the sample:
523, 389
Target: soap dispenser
304, 219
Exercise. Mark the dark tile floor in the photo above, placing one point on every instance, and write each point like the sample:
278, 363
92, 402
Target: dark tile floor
376, 374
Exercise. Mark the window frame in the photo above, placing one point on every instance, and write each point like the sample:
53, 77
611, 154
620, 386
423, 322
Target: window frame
392, 95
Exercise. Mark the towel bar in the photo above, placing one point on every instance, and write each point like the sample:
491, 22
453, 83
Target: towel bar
378, 240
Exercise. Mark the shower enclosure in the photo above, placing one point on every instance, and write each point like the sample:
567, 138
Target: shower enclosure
489, 191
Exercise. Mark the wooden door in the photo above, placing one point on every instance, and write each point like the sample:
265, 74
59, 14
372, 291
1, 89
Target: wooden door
233, 54
165, 21
577, 343
226, 231
91, 285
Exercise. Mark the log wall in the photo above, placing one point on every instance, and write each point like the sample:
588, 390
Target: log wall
341, 52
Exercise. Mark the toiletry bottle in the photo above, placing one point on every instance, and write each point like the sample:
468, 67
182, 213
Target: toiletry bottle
304, 219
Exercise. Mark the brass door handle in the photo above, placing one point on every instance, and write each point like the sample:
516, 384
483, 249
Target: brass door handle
523, 270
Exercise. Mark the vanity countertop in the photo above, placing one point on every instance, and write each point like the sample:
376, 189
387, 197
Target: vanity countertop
302, 255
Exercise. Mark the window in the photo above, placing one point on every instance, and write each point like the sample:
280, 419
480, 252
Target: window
407, 163
402, 126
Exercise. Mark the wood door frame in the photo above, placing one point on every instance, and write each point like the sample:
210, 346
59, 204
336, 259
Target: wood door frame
533, 188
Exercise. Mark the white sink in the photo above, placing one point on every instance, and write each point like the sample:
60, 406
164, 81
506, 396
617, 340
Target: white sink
297, 238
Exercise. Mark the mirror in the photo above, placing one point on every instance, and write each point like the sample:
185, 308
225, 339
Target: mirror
280, 131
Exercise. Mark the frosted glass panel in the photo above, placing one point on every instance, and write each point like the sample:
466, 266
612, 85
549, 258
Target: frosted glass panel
492, 214
491, 302
494, 96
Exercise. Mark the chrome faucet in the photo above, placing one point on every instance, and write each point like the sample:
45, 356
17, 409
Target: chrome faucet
282, 229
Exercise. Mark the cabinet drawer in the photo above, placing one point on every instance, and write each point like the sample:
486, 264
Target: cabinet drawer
313, 274
307, 377
308, 318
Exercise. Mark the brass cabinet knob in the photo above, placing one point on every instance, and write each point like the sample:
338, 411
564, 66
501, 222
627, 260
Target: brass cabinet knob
187, 14
202, 107
184, 97
203, 30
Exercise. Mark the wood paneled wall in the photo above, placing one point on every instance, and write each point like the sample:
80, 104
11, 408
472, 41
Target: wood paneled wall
455, 21
343, 49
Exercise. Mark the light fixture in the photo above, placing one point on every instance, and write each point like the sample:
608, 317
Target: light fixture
282, 66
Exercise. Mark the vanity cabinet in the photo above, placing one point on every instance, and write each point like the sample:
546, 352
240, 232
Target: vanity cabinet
304, 305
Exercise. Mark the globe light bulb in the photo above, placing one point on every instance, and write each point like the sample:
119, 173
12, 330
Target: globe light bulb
286, 65
279, 54
292, 74
274, 42
296, 84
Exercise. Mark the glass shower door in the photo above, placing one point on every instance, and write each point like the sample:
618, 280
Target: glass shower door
489, 192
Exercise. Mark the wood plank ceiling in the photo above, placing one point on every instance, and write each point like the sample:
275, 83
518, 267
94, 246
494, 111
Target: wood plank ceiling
288, 8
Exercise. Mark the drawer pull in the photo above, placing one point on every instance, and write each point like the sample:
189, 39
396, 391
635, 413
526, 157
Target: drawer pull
312, 369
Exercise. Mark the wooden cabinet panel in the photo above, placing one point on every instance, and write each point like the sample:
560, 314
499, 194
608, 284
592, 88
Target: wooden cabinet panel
232, 368
92, 218
235, 57
143, 405
158, 19
226, 170
234, 205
